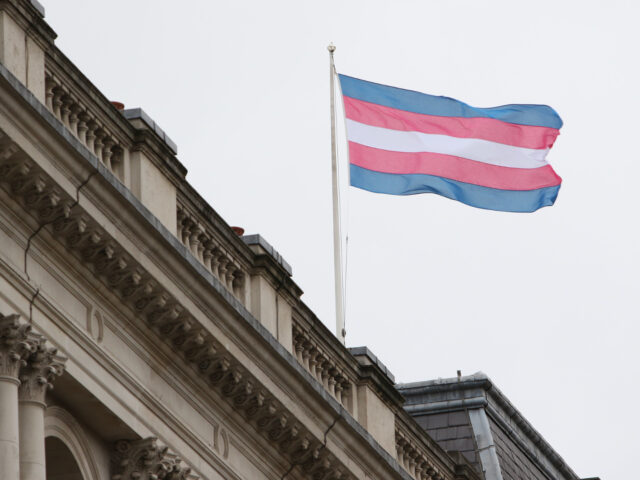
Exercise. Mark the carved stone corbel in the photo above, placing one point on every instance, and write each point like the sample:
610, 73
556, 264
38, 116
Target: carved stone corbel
220, 370
243, 394
255, 404
206, 359
232, 383
19, 177
31, 190
300, 449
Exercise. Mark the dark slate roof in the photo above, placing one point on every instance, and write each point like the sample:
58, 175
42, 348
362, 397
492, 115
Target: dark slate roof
471, 415
453, 432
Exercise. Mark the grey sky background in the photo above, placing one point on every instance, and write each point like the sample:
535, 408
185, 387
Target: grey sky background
544, 303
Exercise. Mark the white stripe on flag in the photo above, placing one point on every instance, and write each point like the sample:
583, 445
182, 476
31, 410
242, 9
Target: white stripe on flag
472, 148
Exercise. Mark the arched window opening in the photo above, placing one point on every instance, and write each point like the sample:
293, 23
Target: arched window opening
60, 462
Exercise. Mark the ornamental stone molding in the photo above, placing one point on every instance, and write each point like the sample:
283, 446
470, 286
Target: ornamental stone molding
41, 367
62, 425
16, 344
61, 215
147, 460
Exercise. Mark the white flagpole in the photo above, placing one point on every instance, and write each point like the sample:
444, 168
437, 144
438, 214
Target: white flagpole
337, 237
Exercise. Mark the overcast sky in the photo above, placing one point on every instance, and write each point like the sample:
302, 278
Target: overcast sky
544, 303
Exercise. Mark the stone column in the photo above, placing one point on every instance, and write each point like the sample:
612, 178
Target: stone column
15, 346
36, 377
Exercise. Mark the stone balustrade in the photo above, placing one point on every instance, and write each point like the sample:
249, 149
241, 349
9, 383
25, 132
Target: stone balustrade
413, 457
212, 251
323, 366
84, 124
115, 141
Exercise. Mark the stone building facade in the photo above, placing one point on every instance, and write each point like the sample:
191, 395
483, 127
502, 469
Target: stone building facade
140, 336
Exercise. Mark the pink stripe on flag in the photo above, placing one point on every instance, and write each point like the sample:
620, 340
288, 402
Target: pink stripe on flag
454, 168
483, 128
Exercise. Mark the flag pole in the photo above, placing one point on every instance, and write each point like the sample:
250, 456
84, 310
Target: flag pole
337, 238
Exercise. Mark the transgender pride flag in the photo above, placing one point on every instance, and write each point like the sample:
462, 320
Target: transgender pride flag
403, 142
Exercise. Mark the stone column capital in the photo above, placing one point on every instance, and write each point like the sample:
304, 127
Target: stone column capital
16, 344
39, 370
146, 459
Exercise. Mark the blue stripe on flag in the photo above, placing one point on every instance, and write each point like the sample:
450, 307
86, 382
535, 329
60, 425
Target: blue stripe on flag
474, 195
411, 101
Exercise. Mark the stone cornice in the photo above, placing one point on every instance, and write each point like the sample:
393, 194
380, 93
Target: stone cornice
279, 279
374, 373
258, 242
144, 141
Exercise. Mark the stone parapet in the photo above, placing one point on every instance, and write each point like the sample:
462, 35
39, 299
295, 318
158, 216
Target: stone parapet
214, 245
24, 39
127, 142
